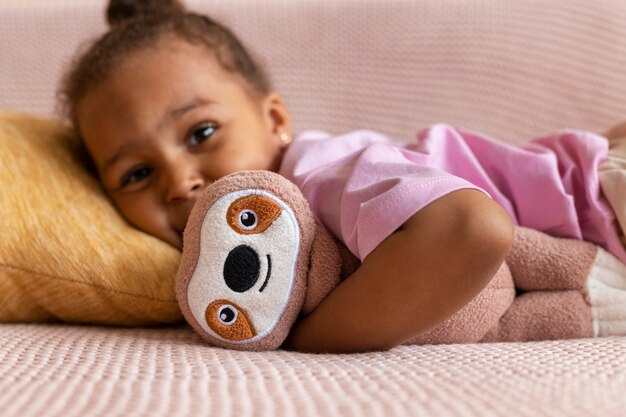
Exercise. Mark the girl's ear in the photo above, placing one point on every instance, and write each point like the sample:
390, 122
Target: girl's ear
277, 116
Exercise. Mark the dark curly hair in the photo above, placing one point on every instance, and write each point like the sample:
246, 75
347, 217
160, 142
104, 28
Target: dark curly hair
136, 24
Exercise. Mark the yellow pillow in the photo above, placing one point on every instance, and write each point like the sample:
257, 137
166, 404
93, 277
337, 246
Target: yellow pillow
65, 252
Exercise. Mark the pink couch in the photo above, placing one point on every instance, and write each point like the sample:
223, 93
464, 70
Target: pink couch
512, 69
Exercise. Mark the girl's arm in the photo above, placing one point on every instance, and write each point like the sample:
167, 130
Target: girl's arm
433, 265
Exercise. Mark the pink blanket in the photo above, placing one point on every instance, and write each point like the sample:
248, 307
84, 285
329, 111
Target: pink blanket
50, 370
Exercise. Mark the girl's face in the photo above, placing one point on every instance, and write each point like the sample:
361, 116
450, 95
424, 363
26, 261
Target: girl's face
166, 123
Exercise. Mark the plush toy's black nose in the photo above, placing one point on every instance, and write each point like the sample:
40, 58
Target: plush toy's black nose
241, 269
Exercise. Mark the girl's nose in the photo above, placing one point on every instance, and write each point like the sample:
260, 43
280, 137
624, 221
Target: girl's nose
184, 186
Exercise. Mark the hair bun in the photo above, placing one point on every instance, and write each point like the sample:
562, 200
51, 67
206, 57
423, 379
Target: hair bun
120, 12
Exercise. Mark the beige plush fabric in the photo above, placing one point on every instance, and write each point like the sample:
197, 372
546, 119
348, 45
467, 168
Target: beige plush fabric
89, 371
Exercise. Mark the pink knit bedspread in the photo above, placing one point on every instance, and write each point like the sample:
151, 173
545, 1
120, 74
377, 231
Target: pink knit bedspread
57, 370
510, 69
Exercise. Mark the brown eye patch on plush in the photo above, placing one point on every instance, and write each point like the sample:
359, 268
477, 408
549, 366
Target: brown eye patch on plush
252, 214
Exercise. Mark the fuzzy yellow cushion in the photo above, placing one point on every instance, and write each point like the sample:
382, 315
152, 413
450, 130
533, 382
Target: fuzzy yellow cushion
65, 252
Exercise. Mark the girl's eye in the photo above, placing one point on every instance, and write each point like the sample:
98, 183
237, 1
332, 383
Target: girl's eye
136, 175
200, 134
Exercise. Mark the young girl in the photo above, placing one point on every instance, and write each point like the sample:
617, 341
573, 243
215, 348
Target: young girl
168, 101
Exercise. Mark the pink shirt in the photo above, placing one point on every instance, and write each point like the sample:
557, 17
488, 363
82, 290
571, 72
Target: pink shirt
362, 186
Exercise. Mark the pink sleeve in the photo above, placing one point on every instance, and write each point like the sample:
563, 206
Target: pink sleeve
361, 186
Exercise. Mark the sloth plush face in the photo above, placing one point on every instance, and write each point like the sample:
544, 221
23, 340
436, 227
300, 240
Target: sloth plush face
246, 260
250, 239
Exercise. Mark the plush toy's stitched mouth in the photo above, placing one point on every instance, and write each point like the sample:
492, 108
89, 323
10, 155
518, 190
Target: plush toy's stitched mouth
269, 272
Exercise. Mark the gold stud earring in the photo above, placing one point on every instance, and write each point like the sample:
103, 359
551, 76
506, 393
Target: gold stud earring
285, 139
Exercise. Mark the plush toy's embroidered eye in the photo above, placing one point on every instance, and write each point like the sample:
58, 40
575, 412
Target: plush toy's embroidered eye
227, 314
252, 214
247, 219
229, 321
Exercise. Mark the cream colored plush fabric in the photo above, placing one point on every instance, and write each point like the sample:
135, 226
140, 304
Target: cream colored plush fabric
509, 68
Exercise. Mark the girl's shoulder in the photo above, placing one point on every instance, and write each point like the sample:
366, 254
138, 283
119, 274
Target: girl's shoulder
314, 148
361, 136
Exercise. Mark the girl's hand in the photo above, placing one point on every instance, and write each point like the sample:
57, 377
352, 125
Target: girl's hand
433, 265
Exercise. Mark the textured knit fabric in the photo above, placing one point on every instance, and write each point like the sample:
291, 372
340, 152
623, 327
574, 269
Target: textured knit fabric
363, 186
512, 69
72, 371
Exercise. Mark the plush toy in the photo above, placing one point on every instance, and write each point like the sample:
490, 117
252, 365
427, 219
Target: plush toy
254, 259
